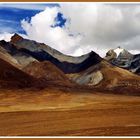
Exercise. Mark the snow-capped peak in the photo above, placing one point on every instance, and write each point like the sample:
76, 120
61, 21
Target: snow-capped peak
118, 50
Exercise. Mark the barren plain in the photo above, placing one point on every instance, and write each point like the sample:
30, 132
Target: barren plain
52, 113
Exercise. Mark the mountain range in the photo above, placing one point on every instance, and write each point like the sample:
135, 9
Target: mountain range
124, 59
26, 63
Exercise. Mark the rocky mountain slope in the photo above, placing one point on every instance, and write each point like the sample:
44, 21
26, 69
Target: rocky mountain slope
49, 66
124, 59
105, 76
18, 56
47, 72
11, 77
34, 75
42, 52
34, 46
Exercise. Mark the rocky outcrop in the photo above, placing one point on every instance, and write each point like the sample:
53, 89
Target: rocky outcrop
91, 79
15, 38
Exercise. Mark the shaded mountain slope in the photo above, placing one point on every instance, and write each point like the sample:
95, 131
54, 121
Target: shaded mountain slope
7, 57
66, 67
11, 77
19, 57
36, 75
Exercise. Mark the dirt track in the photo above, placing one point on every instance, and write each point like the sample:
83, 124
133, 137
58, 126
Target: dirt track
70, 114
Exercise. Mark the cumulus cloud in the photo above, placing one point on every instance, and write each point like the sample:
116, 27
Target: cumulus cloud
89, 26
6, 36
41, 29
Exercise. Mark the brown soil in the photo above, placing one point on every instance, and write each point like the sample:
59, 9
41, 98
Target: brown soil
47, 72
120, 80
57, 113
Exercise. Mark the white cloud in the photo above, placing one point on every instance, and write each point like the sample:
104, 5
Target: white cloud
95, 26
39, 29
104, 26
6, 36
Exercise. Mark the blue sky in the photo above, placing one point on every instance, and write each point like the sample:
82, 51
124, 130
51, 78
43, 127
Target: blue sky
74, 28
12, 14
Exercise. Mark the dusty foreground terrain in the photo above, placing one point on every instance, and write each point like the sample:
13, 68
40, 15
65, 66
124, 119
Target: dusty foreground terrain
49, 113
